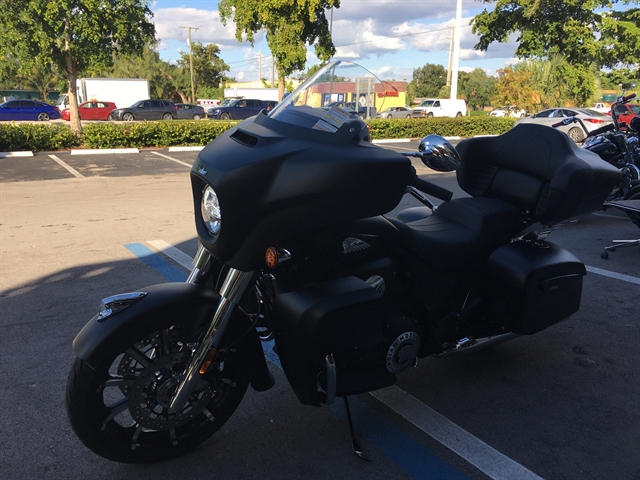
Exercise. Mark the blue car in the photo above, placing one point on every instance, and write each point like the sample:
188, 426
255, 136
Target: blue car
237, 109
28, 110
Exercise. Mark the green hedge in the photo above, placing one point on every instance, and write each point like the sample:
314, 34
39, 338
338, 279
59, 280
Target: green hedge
446, 127
39, 137
153, 134
15, 137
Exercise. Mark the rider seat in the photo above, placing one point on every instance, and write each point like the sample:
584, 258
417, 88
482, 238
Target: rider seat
530, 174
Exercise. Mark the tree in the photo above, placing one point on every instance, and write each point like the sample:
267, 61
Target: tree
74, 35
41, 77
583, 31
512, 88
428, 80
477, 88
290, 26
208, 67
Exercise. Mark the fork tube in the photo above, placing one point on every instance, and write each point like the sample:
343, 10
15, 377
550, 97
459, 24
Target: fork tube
231, 292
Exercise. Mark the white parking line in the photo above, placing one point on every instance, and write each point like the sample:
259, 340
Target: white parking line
69, 168
172, 252
617, 276
172, 159
482, 456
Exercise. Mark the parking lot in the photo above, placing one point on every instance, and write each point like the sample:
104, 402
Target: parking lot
562, 404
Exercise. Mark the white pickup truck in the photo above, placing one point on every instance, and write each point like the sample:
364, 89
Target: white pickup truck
601, 107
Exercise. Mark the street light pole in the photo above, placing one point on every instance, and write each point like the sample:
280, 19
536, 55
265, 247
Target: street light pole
456, 53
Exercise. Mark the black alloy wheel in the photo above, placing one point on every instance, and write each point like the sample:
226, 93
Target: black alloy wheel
120, 409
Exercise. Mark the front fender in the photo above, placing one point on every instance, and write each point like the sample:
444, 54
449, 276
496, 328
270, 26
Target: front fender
162, 306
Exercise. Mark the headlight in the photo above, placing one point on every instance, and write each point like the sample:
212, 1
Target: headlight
211, 211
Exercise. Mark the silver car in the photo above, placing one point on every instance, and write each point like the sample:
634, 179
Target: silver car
590, 118
395, 112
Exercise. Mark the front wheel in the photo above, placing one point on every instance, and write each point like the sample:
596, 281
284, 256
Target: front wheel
127, 117
120, 409
225, 116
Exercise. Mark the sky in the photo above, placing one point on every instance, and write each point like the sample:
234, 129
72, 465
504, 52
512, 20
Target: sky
391, 38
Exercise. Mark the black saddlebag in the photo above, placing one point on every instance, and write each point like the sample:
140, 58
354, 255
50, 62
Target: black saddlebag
348, 319
536, 284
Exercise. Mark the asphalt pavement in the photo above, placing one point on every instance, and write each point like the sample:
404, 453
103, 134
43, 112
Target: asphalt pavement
562, 404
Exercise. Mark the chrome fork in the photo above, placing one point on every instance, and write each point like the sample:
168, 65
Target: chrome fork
231, 292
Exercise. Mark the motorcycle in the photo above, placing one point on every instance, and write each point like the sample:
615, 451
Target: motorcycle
295, 247
618, 144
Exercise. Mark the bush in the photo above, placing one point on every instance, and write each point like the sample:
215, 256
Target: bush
153, 134
16, 137
39, 137
446, 127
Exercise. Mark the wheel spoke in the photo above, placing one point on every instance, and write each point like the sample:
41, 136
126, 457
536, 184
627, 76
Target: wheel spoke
116, 409
139, 357
135, 437
165, 345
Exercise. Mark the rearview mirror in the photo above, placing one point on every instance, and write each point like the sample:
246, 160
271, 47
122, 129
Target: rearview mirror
438, 154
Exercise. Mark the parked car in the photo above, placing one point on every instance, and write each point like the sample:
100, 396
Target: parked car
440, 107
590, 118
28, 110
147, 110
189, 111
237, 109
509, 111
270, 104
395, 112
626, 112
360, 110
91, 111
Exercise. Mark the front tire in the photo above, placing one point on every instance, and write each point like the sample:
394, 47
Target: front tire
225, 116
119, 409
127, 117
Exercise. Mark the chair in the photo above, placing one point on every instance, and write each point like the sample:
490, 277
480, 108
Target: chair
626, 206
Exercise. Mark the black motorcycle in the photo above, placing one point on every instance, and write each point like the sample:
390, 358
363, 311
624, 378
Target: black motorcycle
295, 247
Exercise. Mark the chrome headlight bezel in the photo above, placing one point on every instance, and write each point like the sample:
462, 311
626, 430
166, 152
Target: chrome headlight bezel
210, 210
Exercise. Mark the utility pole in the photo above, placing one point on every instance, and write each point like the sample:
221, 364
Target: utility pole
456, 52
259, 66
450, 53
193, 90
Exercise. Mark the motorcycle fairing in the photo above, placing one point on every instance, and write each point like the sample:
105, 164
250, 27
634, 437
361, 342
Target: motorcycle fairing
162, 306
277, 180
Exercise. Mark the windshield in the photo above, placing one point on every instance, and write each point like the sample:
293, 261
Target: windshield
342, 89
427, 103
635, 109
226, 102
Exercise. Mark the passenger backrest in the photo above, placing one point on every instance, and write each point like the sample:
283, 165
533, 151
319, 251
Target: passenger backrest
539, 169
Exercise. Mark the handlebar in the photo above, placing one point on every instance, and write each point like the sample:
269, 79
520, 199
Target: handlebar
628, 97
430, 188
601, 130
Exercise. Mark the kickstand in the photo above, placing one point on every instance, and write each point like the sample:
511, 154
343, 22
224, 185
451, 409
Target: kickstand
354, 443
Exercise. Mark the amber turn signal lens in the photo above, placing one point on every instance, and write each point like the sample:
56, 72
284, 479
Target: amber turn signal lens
271, 257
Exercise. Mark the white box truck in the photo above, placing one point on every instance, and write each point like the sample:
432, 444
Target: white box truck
440, 107
124, 92
252, 93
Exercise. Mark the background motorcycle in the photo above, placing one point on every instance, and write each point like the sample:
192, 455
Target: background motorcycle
294, 246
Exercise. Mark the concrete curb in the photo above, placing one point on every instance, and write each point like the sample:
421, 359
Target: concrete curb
98, 151
392, 140
185, 149
16, 154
